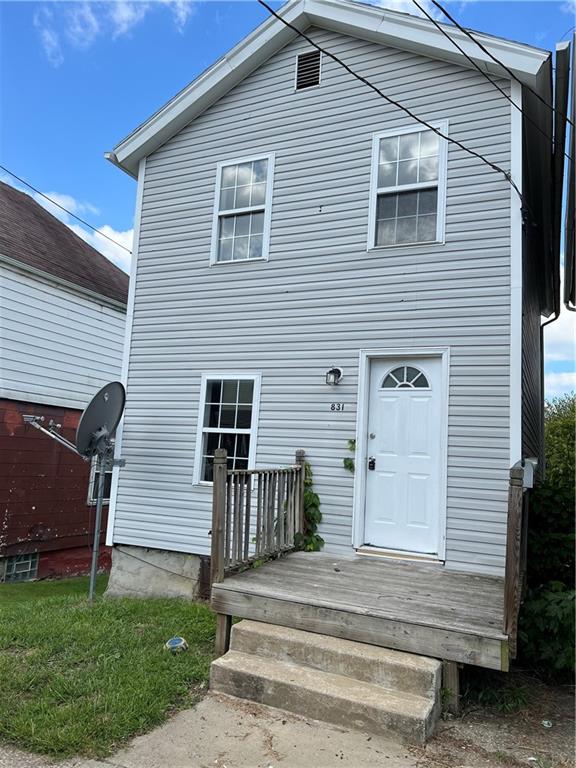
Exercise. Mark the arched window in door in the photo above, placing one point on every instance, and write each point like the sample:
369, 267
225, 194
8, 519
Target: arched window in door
405, 377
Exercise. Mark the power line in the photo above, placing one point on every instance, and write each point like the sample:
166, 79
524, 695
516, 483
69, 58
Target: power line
54, 202
485, 74
397, 104
497, 61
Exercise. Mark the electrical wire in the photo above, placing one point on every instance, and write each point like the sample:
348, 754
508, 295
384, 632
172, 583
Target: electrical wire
397, 104
497, 61
58, 205
485, 74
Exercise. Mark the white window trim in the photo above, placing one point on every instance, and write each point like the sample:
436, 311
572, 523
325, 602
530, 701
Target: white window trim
270, 157
310, 87
442, 175
253, 431
92, 492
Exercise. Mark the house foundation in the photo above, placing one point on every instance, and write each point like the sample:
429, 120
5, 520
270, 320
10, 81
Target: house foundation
144, 572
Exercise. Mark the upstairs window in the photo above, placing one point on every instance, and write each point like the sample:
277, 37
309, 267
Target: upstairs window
308, 69
408, 188
227, 419
241, 228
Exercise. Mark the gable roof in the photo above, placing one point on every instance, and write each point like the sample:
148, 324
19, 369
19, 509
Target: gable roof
367, 22
37, 240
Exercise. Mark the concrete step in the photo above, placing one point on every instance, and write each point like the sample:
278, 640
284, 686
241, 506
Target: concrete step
391, 669
321, 695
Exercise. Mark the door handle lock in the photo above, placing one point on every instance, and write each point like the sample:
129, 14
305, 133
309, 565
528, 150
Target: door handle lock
372, 462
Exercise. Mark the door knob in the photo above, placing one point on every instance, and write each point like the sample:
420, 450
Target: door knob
372, 462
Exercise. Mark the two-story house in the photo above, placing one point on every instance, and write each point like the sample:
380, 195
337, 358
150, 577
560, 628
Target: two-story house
319, 263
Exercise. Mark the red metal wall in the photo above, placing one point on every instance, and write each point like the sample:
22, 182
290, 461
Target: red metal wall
43, 486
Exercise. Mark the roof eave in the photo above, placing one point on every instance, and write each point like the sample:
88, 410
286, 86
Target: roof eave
358, 20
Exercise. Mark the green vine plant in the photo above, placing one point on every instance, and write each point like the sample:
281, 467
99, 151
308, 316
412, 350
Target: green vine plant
349, 463
309, 540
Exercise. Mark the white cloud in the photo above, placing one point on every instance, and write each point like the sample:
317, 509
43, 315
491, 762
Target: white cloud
407, 6
49, 37
124, 16
81, 24
559, 383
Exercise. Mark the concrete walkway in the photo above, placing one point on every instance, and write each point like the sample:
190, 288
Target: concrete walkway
222, 732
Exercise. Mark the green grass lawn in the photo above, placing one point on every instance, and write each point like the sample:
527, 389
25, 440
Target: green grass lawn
77, 679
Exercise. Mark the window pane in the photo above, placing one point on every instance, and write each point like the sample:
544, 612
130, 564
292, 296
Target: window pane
211, 414
429, 144
213, 390
227, 226
427, 201
227, 416
409, 146
244, 174
243, 446
230, 391
242, 197
259, 170
228, 442
245, 391
225, 250
257, 223
240, 248
426, 228
407, 172
255, 251
406, 230
244, 417
387, 175
411, 373
241, 464
258, 194
386, 232
428, 169
229, 176
242, 225
387, 206
211, 442
207, 468
227, 199
407, 203
389, 150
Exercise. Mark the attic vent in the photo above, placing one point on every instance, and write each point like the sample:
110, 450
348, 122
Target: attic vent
307, 70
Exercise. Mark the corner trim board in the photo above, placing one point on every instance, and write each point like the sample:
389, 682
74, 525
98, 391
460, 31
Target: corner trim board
126, 353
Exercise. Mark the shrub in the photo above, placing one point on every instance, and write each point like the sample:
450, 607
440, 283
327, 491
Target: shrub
546, 631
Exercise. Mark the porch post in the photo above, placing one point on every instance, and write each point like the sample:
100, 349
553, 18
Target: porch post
220, 472
512, 578
301, 462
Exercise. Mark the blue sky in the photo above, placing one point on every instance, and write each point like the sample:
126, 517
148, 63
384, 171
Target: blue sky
76, 77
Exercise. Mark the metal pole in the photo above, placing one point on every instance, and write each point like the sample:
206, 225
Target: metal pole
101, 468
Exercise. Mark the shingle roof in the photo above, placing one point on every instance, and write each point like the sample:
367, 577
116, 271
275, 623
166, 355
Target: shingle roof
32, 236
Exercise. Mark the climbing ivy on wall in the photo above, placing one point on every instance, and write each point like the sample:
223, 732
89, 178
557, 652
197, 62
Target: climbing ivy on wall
349, 463
309, 540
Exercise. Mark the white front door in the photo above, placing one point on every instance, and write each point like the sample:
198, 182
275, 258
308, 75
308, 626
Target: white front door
404, 458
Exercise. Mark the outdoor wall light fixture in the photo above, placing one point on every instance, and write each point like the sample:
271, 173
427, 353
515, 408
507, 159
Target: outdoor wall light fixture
333, 376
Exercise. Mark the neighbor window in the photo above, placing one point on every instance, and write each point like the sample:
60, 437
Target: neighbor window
95, 479
21, 567
227, 419
408, 178
242, 210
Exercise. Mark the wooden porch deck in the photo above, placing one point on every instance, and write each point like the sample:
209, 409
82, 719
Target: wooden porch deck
406, 605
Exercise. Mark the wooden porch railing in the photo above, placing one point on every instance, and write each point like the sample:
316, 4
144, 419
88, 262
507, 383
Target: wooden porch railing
516, 543
256, 514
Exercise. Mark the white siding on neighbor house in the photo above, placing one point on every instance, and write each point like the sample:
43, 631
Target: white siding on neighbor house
322, 296
57, 347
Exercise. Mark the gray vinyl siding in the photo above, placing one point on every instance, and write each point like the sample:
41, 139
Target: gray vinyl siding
321, 297
56, 347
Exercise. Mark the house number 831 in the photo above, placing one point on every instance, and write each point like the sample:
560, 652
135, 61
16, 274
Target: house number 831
336, 406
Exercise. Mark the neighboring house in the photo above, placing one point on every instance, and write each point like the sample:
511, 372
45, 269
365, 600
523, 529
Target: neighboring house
290, 222
62, 319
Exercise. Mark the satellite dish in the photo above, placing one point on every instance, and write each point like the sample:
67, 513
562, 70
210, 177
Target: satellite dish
100, 419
